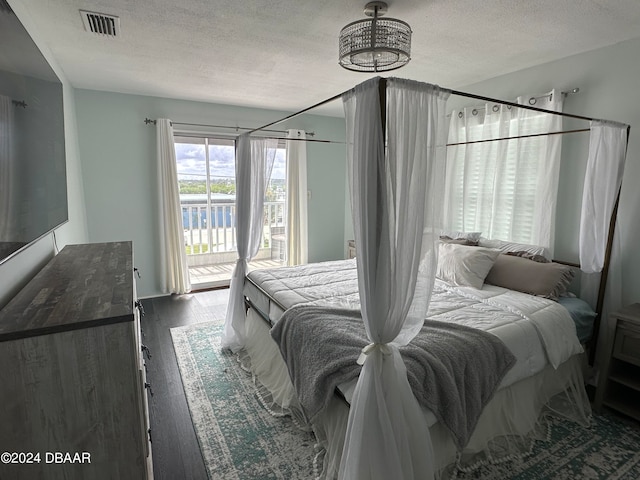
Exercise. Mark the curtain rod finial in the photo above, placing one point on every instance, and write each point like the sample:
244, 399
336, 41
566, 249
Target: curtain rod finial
147, 121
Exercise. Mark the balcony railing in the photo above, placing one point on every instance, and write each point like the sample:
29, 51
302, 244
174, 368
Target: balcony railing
211, 229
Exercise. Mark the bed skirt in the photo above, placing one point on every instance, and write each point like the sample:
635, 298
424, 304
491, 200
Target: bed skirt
512, 420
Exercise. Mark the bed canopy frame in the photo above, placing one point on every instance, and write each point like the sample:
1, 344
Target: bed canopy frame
592, 344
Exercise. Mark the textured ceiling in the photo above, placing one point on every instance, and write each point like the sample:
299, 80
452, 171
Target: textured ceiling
282, 54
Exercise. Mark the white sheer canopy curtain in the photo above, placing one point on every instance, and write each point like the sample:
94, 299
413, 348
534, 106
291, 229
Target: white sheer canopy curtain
603, 179
505, 189
296, 226
396, 204
254, 162
7, 180
174, 272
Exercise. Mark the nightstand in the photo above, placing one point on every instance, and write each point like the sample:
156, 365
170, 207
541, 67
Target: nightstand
351, 249
619, 385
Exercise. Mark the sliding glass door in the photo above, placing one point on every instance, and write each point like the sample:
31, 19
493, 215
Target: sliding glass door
206, 175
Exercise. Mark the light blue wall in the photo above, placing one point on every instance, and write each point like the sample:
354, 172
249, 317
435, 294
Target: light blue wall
608, 79
119, 155
19, 269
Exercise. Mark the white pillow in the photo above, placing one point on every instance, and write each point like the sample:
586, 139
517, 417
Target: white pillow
505, 247
463, 265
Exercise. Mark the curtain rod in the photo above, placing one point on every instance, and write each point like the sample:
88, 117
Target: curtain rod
532, 101
149, 121
453, 92
519, 105
520, 136
316, 140
19, 103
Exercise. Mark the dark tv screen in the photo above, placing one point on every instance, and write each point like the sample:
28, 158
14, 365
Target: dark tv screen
33, 184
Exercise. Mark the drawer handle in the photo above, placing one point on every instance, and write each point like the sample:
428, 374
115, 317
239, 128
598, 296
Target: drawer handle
145, 349
140, 307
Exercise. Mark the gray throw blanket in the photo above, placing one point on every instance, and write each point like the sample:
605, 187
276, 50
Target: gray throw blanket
453, 370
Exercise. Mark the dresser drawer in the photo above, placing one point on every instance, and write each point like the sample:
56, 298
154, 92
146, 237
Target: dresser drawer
627, 345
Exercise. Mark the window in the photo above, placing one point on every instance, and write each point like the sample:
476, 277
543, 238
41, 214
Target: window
503, 189
206, 176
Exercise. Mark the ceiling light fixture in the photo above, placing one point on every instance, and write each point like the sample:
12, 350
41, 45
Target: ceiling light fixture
376, 44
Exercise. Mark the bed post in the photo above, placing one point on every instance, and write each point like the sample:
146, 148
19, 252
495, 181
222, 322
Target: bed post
382, 91
593, 343
603, 282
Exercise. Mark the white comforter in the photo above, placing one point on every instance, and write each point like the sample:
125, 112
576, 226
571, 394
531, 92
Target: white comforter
536, 330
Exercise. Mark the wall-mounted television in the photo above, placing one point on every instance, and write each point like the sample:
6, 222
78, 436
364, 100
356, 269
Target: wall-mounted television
33, 183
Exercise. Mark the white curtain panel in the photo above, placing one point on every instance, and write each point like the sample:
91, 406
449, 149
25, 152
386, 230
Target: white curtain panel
603, 179
296, 226
7, 180
505, 189
605, 166
174, 271
254, 162
395, 203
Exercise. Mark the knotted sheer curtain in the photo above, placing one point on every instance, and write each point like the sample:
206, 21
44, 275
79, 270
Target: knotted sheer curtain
396, 200
254, 162
174, 271
602, 182
505, 189
605, 167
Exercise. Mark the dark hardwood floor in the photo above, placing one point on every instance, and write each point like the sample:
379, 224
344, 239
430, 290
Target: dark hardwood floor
176, 454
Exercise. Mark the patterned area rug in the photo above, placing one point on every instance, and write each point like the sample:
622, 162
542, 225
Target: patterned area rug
240, 440
608, 449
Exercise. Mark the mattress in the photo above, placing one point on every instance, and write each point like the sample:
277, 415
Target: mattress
272, 291
538, 331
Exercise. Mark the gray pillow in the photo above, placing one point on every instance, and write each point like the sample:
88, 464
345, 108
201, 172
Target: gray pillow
508, 246
549, 280
530, 256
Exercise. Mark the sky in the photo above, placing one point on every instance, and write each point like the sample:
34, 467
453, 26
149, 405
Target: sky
191, 162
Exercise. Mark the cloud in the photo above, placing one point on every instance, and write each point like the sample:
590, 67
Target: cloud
191, 162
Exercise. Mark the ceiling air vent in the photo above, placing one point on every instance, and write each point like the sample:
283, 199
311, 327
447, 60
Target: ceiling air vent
4, 7
101, 24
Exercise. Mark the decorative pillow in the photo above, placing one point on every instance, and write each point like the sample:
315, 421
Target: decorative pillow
549, 280
505, 247
470, 236
458, 241
582, 315
530, 256
464, 265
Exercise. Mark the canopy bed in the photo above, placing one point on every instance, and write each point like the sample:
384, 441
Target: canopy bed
365, 326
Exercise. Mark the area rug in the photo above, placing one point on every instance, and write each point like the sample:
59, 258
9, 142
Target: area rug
240, 440
608, 449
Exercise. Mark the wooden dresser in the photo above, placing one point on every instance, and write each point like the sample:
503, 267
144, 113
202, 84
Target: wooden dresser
73, 385
619, 387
